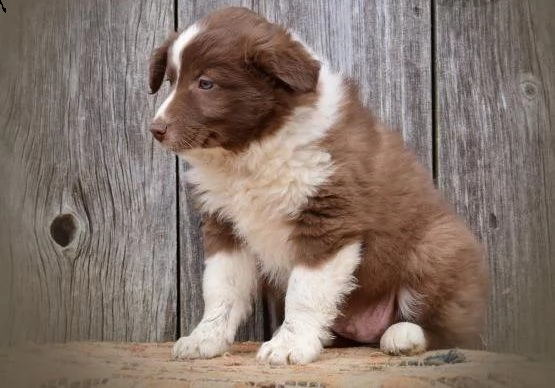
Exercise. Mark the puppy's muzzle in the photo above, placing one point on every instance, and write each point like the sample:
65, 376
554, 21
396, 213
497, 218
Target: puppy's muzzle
158, 128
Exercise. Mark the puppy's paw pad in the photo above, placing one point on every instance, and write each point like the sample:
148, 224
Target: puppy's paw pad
196, 346
283, 351
403, 338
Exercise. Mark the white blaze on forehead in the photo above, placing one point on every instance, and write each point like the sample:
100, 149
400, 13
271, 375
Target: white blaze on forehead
160, 113
181, 42
174, 57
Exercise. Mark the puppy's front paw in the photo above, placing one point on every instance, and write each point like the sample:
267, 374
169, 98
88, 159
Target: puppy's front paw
403, 338
288, 348
200, 344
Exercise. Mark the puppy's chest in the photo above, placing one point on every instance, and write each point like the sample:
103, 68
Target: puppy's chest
262, 195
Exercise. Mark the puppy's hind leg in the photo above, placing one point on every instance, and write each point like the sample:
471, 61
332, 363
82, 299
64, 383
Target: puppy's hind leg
404, 338
456, 322
443, 303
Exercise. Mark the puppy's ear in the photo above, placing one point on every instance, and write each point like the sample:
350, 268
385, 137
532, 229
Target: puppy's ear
275, 53
158, 63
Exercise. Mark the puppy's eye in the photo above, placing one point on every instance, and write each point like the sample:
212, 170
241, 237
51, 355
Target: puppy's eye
205, 84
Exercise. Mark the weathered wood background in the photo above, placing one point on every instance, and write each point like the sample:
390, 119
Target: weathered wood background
98, 239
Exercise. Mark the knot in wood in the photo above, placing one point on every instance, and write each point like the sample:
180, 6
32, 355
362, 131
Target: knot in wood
493, 220
530, 89
63, 228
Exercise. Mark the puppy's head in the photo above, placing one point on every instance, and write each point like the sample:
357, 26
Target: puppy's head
232, 74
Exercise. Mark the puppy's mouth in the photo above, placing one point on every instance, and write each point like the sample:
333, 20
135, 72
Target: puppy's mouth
208, 139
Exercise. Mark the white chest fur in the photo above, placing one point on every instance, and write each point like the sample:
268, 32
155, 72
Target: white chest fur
261, 189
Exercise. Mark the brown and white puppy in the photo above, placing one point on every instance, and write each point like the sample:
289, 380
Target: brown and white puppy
300, 185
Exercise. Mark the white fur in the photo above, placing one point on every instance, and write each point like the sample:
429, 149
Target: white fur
403, 338
174, 56
161, 112
262, 188
311, 306
410, 303
228, 288
181, 42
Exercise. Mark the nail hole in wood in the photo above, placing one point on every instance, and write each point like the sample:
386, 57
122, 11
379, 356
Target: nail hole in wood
63, 229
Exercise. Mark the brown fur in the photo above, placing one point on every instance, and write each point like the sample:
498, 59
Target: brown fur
411, 237
159, 64
218, 235
378, 194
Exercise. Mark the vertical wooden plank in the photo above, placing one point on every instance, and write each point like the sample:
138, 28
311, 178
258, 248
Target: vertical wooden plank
496, 147
74, 113
384, 45
191, 253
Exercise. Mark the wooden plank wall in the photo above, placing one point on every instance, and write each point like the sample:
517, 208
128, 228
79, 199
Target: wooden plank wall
496, 153
469, 83
73, 140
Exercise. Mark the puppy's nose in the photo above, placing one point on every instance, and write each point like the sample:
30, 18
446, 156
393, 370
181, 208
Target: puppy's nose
158, 129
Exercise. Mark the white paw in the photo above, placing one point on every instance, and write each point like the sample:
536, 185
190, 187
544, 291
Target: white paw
288, 348
204, 342
403, 338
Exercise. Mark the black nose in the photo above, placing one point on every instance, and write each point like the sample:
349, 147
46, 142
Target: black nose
158, 129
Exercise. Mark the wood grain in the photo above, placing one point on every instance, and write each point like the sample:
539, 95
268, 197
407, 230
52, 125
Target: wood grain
496, 149
74, 112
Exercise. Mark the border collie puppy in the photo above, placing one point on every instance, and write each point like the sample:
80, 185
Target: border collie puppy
301, 186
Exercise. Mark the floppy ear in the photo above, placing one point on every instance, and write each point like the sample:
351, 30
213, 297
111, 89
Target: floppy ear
158, 63
277, 54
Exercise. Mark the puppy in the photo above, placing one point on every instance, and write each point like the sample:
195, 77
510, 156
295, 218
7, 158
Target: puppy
300, 185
